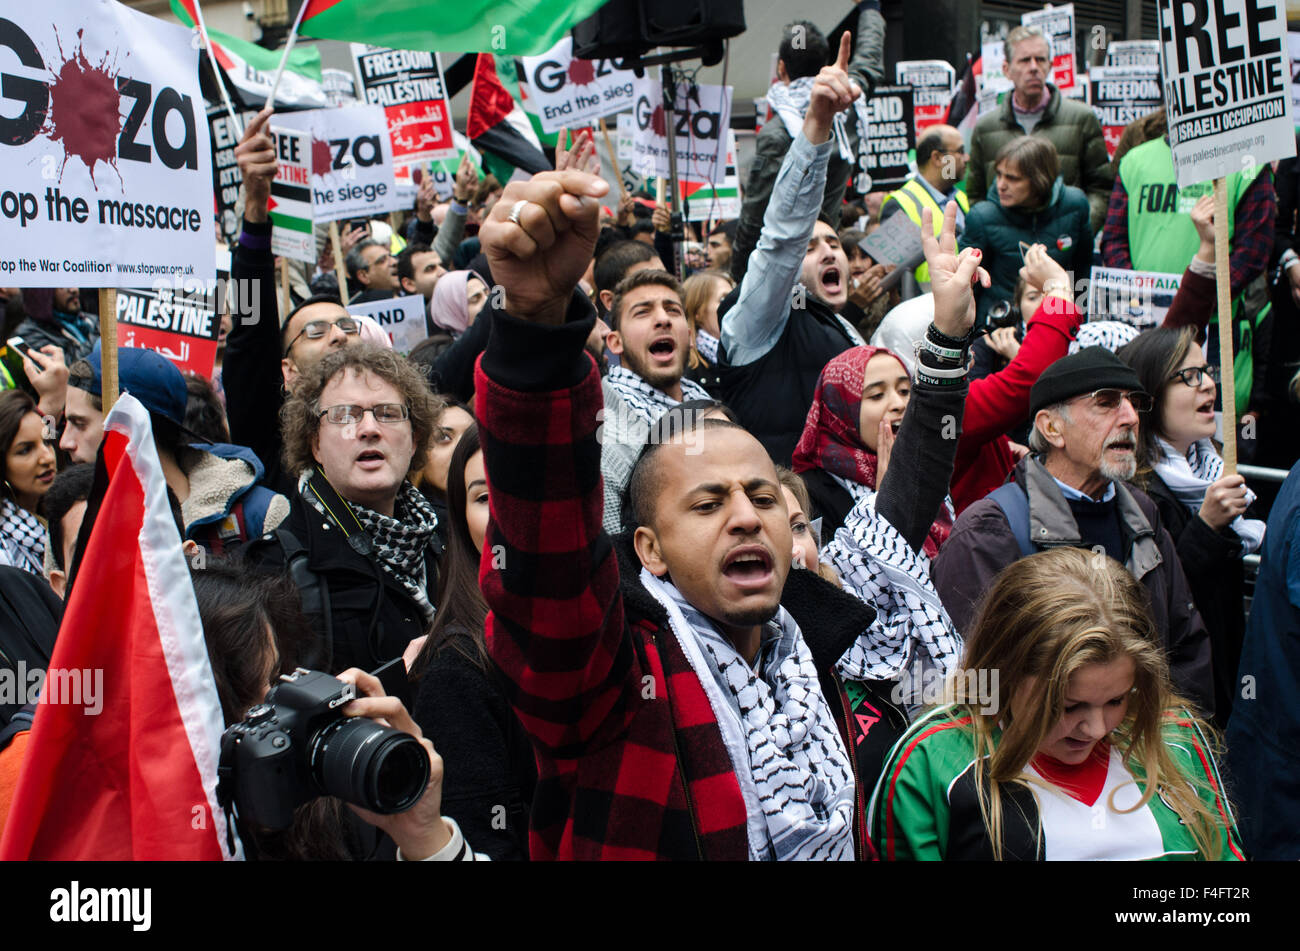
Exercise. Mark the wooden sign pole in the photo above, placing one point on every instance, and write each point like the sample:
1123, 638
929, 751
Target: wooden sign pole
108, 347
339, 270
613, 161
1227, 377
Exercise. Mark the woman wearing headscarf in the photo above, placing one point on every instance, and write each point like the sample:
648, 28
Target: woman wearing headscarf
457, 299
844, 450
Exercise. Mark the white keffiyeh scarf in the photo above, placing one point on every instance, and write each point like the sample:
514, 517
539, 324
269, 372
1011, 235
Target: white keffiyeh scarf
22, 538
644, 400
790, 102
1189, 476
707, 344
876, 564
784, 746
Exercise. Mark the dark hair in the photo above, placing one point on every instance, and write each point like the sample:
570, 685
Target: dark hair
853, 238
702, 406
355, 260
642, 278
1036, 159
14, 407
641, 226
314, 299
82, 375
462, 610
324, 288
807, 57
426, 352
931, 141
405, 268
1154, 356
204, 414
727, 228
236, 607
69, 487
612, 266
646, 481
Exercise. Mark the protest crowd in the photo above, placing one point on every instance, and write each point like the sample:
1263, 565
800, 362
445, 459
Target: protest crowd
746, 536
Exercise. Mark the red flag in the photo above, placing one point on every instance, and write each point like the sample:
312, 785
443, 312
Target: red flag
122, 759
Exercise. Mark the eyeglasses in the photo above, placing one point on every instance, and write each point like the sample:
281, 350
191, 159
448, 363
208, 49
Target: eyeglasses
315, 329
382, 259
1193, 376
1107, 400
344, 414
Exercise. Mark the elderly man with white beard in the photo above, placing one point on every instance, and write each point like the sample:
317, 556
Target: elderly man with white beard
1085, 410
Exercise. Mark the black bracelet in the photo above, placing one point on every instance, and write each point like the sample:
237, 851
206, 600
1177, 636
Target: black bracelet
951, 343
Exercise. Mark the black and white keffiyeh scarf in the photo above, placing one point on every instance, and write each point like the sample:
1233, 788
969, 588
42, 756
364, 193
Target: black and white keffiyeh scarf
1189, 476
784, 745
22, 538
911, 628
707, 344
790, 102
644, 400
400, 542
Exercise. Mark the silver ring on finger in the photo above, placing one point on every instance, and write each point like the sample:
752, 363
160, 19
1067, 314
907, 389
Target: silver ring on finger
515, 209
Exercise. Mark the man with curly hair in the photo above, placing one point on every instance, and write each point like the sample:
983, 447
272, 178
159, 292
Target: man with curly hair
360, 541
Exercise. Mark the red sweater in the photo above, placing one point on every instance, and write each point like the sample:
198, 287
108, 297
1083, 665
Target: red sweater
1000, 401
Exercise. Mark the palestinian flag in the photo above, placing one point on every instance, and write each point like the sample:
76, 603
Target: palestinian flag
509, 27
249, 69
122, 759
499, 128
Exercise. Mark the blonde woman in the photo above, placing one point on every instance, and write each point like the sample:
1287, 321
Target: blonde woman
1063, 739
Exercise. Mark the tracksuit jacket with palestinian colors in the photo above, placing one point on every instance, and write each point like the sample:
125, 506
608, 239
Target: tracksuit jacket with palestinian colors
925, 805
631, 762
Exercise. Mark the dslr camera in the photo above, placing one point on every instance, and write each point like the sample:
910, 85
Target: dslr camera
297, 746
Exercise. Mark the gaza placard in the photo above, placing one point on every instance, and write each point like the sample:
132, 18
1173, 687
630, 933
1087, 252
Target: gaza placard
1227, 85
105, 166
409, 85
701, 118
351, 161
402, 318
566, 92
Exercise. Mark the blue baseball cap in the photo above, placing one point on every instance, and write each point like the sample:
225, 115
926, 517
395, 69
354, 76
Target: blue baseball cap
148, 376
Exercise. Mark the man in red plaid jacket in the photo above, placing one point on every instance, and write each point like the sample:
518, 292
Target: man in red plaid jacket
678, 692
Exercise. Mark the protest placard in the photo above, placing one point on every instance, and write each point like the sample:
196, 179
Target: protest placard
1057, 24
402, 318
409, 85
717, 201
931, 81
1133, 53
1293, 47
882, 152
701, 117
351, 161
1226, 77
179, 322
897, 241
1140, 298
340, 86
290, 204
1121, 94
226, 176
566, 92
105, 162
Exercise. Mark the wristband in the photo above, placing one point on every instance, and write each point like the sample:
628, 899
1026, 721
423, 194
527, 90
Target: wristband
926, 345
938, 337
953, 377
1288, 258
1052, 287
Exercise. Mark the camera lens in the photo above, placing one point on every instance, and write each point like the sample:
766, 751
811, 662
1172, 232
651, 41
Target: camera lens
375, 767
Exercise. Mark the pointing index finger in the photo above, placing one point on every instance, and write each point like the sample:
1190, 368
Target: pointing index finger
846, 47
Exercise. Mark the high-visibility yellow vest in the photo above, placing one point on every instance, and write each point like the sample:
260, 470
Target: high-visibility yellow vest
914, 196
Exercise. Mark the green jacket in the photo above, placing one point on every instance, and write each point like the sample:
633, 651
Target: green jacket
1061, 225
1068, 124
926, 808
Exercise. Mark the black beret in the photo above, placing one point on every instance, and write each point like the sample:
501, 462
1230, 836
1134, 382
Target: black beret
1092, 368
